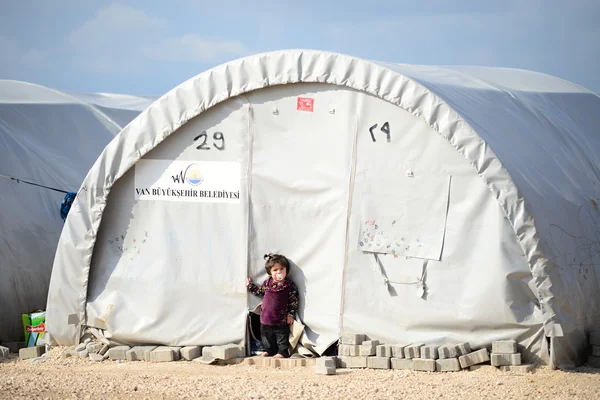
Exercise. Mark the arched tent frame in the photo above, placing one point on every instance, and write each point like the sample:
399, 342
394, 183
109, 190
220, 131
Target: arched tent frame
236, 78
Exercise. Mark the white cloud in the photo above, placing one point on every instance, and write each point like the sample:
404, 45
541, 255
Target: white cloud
15, 57
188, 48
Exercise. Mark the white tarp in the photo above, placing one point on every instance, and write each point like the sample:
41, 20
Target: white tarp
325, 144
51, 139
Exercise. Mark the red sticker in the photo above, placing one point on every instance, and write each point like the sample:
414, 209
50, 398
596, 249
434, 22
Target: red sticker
305, 104
36, 329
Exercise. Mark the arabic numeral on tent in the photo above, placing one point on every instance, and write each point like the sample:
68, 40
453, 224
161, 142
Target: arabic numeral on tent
218, 136
385, 128
203, 145
218, 141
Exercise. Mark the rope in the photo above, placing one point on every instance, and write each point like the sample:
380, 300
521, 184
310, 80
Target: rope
34, 184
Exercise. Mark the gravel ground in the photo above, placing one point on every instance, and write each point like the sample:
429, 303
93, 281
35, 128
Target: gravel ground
59, 378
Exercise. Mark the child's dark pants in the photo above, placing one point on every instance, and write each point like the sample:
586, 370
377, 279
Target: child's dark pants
275, 339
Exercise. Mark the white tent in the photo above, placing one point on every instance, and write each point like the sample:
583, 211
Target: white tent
417, 204
48, 142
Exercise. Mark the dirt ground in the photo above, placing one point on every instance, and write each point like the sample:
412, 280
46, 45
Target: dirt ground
59, 378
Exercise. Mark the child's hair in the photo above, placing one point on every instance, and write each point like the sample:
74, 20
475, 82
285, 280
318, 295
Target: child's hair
273, 259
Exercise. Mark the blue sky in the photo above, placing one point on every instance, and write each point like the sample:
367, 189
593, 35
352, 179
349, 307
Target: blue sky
149, 47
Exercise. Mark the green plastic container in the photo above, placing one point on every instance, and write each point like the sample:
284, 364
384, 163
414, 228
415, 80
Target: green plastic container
34, 325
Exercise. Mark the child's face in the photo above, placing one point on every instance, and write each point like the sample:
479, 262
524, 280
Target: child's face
278, 273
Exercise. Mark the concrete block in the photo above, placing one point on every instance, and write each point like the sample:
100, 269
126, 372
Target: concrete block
593, 362
423, 364
353, 338
378, 362
463, 349
94, 347
14, 347
4, 352
343, 362
31, 352
357, 362
447, 364
401, 363
368, 347
517, 368
476, 357
595, 338
504, 346
398, 350
191, 352
429, 352
139, 353
118, 352
323, 370
325, 362
505, 359
413, 351
447, 351
383, 350
165, 354
349, 350
596, 351
227, 351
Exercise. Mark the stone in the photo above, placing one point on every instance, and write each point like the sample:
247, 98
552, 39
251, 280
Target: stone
80, 347
595, 338
353, 338
97, 357
31, 352
398, 350
227, 351
118, 352
504, 346
447, 364
517, 368
83, 353
139, 353
413, 351
326, 362
401, 363
357, 362
4, 352
505, 359
378, 362
349, 350
104, 349
463, 349
423, 364
324, 370
343, 361
190, 353
593, 362
368, 347
429, 352
14, 347
476, 357
165, 354
94, 347
447, 351
383, 350
596, 351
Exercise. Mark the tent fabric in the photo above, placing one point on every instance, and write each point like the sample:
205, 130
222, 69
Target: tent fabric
515, 149
48, 142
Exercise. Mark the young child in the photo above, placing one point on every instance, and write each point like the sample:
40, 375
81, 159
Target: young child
279, 306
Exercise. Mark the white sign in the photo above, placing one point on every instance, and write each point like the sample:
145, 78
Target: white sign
191, 181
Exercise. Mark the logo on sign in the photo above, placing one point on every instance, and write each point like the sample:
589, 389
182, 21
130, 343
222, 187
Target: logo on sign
36, 329
191, 175
305, 104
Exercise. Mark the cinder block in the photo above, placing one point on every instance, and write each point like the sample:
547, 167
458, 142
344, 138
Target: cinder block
595, 338
596, 351
165, 354
383, 350
476, 357
353, 338
593, 362
324, 370
118, 352
4, 352
14, 347
349, 349
398, 350
378, 362
447, 351
517, 368
31, 352
368, 347
447, 364
190, 353
505, 359
413, 351
139, 353
325, 362
358, 362
504, 346
343, 362
429, 352
463, 349
227, 351
423, 364
401, 363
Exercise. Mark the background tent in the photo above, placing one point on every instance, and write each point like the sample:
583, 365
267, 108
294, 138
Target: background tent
50, 139
417, 204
